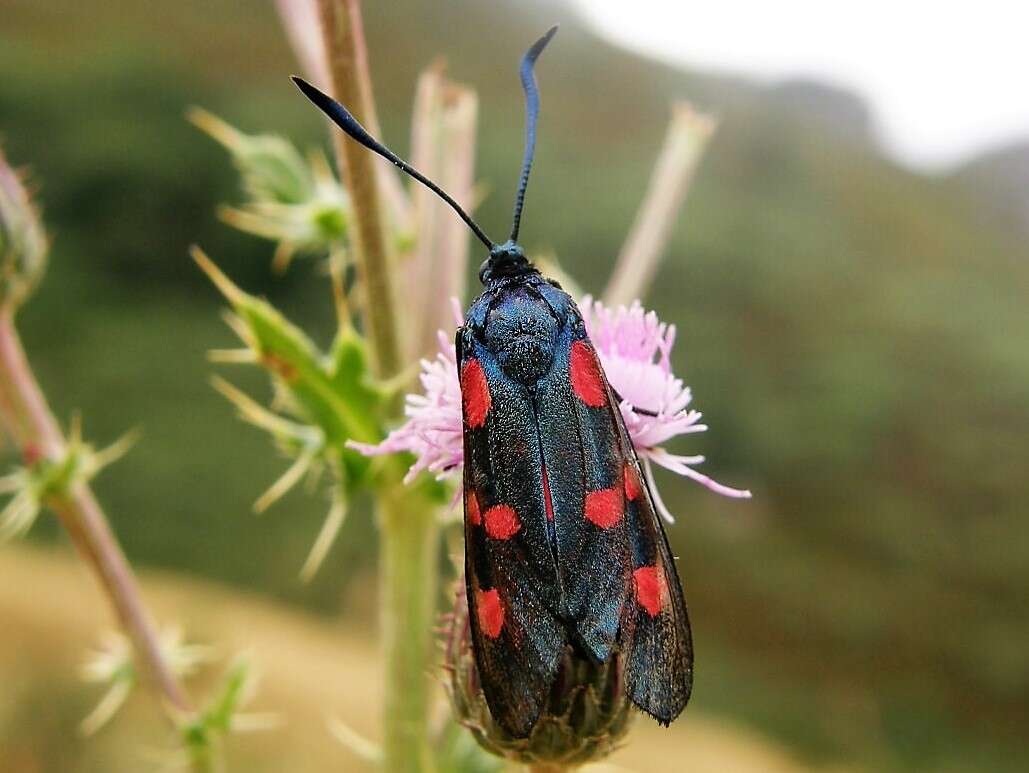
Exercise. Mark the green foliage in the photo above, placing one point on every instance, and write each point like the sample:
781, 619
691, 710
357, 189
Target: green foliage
329, 402
271, 168
299, 205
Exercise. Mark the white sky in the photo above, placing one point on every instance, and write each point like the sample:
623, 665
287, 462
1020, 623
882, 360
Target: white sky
945, 79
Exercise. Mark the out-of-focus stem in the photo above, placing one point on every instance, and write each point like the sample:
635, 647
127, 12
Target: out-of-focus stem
687, 137
442, 148
407, 526
409, 568
546, 767
206, 759
28, 419
392, 189
300, 18
345, 49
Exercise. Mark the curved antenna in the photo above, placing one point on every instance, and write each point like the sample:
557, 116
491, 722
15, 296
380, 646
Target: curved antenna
532, 109
344, 120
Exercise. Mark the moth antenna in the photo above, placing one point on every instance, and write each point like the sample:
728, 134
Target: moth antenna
345, 121
532, 109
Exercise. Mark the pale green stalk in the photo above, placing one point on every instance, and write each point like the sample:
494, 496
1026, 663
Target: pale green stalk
407, 527
408, 569
206, 760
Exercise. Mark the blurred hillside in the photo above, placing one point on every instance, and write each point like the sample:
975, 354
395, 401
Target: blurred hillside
1000, 180
855, 335
310, 670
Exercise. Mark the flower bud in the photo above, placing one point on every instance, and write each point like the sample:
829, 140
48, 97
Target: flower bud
272, 169
293, 201
334, 396
23, 243
585, 718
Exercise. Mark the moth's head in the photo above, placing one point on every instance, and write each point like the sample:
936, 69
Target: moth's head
505, 260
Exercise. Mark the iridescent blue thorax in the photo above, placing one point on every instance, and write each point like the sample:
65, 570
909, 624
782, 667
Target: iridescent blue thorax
519, 315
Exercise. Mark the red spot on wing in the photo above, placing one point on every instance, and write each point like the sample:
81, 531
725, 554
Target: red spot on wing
649, 589
587, 381
546, 495
471, 507
632, 483
490, 611
502, 522
605, 507
474, 393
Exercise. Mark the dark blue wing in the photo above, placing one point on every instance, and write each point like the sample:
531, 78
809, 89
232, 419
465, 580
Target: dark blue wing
655, 634
618, 576
512, 585
583, 461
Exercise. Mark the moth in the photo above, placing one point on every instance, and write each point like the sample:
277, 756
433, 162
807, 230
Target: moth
563, 546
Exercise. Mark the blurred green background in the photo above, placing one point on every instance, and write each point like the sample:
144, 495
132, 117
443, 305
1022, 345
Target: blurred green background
855, 334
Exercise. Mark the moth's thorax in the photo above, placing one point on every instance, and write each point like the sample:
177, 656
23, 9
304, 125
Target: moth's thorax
505, 260
522, 331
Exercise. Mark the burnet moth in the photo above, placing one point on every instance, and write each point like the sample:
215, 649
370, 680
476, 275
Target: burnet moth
563, 546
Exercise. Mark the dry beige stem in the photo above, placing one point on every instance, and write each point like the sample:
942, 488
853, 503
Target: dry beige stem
443, 149
687, 137
301, 21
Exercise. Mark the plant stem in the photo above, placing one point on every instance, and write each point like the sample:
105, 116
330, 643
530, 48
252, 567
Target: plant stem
443, 149
300, 19
32, 426
408, 575
687, 137
207, 760
408, 526
348, 70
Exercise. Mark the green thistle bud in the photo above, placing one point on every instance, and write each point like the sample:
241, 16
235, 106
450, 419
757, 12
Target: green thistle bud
342, 405
586, 717
294, 202
23, 243
272, 169
43, 480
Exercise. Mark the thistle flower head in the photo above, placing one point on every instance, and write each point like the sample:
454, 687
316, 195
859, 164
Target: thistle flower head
585, 718
293, 201
433, 431
634, 348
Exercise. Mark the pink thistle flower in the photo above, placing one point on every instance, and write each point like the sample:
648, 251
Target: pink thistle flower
634, 348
